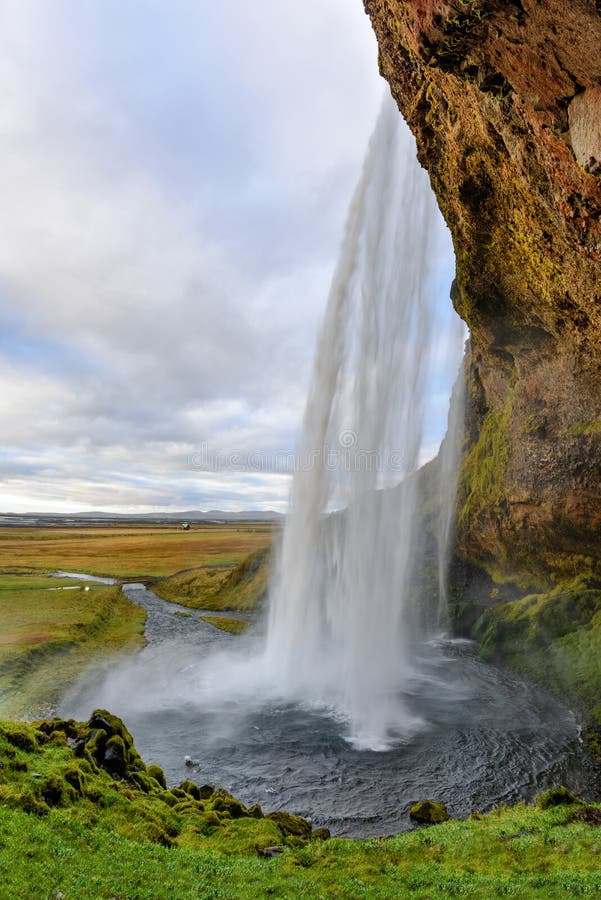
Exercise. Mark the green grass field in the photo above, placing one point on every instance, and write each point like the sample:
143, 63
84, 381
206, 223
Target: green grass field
49, 635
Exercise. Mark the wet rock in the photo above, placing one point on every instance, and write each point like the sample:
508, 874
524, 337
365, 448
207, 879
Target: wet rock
269, 852
115, 756
428, 812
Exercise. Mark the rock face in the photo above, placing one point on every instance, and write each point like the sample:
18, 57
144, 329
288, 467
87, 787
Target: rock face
504, 98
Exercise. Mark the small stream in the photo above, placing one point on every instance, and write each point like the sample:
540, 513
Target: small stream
487, 738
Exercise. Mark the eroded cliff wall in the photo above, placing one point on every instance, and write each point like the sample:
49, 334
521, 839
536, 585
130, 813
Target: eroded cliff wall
505, 101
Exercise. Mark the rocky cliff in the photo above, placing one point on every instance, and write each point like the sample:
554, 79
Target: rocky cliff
504, 98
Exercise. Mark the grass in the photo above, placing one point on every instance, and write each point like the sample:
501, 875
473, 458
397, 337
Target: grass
133, 552
227, 623
242, 588
71, 828
48, 637
40, 858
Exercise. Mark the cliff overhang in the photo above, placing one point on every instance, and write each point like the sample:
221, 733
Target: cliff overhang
504, 98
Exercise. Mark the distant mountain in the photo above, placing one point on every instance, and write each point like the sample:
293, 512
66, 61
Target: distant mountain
194, 515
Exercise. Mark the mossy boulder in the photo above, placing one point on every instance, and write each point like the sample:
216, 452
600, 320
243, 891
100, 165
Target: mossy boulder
20, 735
92, 772
428, 812
55, 790
115, 756
157, 773
191, 788
557, 796
291, 825
224, 803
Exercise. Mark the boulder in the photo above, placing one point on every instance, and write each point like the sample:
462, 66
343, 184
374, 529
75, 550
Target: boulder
428, 812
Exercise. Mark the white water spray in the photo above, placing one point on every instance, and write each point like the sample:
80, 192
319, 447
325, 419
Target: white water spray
341, 624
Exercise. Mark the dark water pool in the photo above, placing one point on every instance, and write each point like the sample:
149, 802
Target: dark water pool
487, 737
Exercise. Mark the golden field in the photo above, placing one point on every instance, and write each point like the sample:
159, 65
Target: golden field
131, 552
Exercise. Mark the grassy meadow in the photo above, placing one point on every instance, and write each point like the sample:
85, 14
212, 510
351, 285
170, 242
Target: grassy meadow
130, 552
51, 630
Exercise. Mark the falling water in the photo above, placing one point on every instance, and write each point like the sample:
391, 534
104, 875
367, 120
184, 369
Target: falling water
342, 628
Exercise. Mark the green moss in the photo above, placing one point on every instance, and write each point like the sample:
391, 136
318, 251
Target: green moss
242, 588
157, 773
552, 638
19, 735
227, 623
579, 428
482, 476
429, 812
557, 796
293, 826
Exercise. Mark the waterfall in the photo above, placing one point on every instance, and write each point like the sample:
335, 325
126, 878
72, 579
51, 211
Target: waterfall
342, 625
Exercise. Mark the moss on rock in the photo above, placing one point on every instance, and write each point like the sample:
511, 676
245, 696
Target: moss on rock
557, 796
428, 812
93, 770
291, 825
159, 776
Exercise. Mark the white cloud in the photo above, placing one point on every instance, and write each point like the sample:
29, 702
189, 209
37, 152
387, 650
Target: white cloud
162, 286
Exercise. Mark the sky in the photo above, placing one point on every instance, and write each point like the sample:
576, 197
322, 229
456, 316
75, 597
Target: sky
174, 180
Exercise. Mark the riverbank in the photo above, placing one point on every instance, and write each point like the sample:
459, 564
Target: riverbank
52, 630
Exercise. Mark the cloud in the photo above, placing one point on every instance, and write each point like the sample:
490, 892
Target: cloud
174, 182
